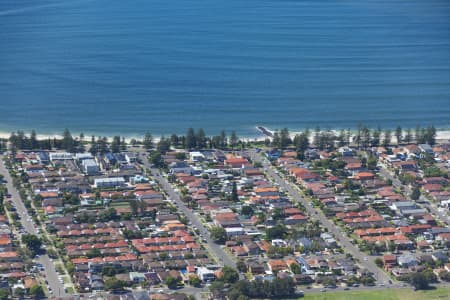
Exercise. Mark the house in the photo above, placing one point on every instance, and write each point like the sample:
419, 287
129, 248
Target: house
276, 265
205, 274
345, 151
43, 157
251, 247
137, 277
389, 260
234, 231
90, 167
60, 156
425, 148
439, 256
196, 156
236, 163
130, 157
110, 182
407, 260
273, 154
296, 219
403, 205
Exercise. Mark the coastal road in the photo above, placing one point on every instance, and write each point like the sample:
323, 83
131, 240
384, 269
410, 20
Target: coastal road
441, 215
29, 227
223, 257
364, 260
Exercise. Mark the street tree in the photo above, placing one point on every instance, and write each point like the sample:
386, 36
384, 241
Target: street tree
218, 234
229, 275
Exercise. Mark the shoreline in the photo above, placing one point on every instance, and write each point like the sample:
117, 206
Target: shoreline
441, 135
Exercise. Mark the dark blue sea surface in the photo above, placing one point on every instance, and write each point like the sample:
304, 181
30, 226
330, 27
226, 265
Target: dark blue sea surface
124, 67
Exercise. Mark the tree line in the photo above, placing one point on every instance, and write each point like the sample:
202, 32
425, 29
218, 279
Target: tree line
197, 139
191, 140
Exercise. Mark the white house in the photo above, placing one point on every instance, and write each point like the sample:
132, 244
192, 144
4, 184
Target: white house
109, 182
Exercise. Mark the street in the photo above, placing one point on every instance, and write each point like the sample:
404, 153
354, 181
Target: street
223, 257
441, 215
49, 268
345, 242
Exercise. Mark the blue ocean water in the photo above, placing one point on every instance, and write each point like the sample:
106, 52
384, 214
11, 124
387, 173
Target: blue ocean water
124, 67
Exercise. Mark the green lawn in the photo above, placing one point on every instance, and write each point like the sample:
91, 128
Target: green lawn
388, 294
120, 205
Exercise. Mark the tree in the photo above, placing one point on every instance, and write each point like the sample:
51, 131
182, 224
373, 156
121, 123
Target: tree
419, 280
115, 144
316, 136
148, 141
37, 291
4, 294
372, 162
94, 252
216, 289
163, 145
444, 275
218, 234
430, 135
114, 284
171, 282
415, 194
365, 136
102, 145
223, 139
295, 268
156, 159
379, 262
123, 144
201, 139
68, 142
94, 148
19, 292
233, 139
195, 281
33, 140
408, 136
229, 275
134, 207
398, 134
247, 210
234, 193
190, 142
108, 270
301, 145
387, 138
174, 140
276, 141
376, 137
285, 139
32, 242
276, 232
241, 266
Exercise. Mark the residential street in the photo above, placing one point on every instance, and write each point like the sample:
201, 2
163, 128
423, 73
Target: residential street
28, 225
223, 257
365, 261
442, 215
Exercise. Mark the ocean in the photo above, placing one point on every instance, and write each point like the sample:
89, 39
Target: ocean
109, 67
